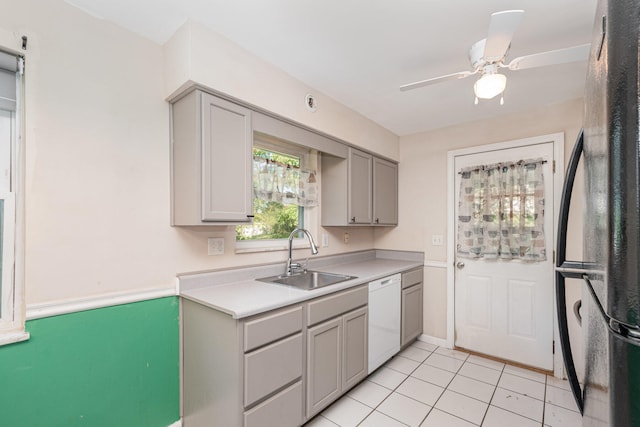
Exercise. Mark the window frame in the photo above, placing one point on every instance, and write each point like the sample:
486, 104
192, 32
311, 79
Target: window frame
309, 218
13, 316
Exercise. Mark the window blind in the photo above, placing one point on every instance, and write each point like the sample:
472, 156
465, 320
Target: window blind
8, 69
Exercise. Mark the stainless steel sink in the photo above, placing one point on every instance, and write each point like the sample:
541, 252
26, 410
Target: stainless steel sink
308, 280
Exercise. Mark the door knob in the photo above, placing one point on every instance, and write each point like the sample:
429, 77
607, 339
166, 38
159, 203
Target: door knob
460, 265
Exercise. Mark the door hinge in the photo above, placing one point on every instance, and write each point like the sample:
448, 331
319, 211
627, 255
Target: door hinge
554, 166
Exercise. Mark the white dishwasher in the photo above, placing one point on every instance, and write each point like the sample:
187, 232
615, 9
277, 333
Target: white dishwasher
384, 320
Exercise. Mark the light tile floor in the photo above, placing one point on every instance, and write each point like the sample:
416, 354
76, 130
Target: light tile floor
431, 386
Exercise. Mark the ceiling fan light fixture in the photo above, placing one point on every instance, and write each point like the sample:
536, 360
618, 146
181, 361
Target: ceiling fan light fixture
490, 85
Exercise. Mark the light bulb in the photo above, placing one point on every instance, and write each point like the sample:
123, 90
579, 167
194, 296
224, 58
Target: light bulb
490, 85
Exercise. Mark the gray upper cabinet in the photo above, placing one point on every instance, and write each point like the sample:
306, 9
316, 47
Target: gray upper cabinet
359, 190
359, 187
385, 192
212, 141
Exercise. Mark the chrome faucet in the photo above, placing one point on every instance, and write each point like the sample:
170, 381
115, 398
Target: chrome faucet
294, 267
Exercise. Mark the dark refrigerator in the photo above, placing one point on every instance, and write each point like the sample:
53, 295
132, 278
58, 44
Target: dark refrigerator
608, 394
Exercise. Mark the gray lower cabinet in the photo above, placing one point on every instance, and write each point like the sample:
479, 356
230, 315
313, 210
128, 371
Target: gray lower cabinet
211, 161
242, 373
264, 370
324, 364
355, 329
336, 348
411, 318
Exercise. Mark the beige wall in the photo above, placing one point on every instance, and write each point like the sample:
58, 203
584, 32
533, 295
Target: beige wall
97, 153
423, 191
198, 54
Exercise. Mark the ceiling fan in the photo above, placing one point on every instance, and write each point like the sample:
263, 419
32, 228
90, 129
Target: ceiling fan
487, 57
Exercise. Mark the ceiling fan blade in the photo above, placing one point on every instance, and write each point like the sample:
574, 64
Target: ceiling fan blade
501, 28
421, 83
552, 57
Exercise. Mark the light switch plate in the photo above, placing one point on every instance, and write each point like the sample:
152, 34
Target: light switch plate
325, 240
215, 245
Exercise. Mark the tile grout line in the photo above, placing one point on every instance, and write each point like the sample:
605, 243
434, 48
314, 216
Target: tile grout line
447, 388
544, 402
430, 353
394, 389
492, 395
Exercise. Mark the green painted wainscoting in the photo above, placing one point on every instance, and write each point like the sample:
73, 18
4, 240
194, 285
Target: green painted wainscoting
116, 366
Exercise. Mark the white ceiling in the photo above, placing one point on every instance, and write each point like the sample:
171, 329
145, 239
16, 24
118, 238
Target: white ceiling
360, 51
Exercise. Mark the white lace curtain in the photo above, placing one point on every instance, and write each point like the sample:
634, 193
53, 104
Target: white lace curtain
287, 184
501, 211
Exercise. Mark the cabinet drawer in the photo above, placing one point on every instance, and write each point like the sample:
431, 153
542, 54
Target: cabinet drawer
271, 367
272, 327
336, 304
282, 410
411, 278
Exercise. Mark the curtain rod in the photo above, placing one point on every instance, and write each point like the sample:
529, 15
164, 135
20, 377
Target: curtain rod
519, 162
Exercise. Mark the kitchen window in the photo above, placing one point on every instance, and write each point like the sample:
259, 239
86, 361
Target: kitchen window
285, 193
12, 316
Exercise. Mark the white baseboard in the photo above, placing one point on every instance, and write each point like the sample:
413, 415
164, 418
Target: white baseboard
440, 342
177, 423
56, 308
435, 264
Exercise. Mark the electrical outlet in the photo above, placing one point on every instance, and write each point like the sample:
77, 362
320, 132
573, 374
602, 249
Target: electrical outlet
215, 245
437, 240
325, 240
346, 237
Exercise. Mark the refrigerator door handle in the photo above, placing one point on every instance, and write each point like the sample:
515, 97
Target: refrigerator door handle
565, 202
576, 311
624, 331
568, 269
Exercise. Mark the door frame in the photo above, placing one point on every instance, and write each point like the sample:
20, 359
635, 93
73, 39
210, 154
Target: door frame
558, 179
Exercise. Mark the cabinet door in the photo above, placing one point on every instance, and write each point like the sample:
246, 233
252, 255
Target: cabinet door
385, 192
360, 173
227, 139
355, 345
411, 313
324, 364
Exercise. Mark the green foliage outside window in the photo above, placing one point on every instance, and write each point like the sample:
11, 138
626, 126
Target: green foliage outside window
272, 219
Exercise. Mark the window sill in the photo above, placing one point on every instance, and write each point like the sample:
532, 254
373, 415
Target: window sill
13, 337
247, 247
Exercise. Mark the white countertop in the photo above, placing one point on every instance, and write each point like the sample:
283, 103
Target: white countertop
248, 297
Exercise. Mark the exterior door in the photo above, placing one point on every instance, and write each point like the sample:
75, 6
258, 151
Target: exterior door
504, 308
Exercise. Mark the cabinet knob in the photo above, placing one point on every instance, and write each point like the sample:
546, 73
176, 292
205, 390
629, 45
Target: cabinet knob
377, 220
353, 219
